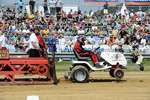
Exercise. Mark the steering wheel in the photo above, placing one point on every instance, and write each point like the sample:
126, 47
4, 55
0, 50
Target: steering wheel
96, 49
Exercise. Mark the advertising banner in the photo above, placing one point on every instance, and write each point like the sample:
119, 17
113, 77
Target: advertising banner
115, 2
137, 2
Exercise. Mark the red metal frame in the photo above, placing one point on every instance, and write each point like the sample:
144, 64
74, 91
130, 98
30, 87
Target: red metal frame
114, 67
17, 66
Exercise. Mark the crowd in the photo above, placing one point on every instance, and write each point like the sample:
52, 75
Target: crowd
59, 27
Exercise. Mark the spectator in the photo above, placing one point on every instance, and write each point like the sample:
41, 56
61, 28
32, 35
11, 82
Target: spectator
106, 7
143, 40
26, 44
70, 43
111, 40
61, 31
81, 31
135, 52
127, 40
120, 49
52, 5
52, 43
26, 30
3, 41
18, 30
20, 5
70, 15
123, 32
31, 16
119, 40
62, 45
47, 16
46, 32
11, 30
74, 31
102, 41
31, 4
135, 44
103, 32
45, 5
115, 32
91, 40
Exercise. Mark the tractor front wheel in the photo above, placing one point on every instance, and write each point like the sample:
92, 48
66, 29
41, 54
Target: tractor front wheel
118, 73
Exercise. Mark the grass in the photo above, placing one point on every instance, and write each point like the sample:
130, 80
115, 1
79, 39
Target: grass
65, 65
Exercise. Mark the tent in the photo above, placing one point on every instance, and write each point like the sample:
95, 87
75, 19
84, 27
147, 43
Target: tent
122, 9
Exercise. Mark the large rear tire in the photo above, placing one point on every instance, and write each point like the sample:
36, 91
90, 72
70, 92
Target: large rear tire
111, 73
80, 75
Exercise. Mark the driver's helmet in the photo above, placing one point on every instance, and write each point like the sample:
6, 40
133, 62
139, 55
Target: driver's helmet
82, 40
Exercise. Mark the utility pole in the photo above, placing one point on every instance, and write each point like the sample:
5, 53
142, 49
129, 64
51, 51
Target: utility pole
99, 5
37, 4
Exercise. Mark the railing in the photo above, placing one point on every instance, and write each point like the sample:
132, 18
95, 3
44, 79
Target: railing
69, 55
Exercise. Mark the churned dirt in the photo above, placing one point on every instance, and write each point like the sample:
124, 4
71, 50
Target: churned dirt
134, 86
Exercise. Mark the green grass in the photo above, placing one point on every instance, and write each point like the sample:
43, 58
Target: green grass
65, 65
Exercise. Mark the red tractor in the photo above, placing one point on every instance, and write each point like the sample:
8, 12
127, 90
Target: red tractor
9, 67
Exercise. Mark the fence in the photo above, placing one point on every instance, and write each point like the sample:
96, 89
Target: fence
83, 7
70, 55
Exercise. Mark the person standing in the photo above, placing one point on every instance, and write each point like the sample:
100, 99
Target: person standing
34, 44
45, 5
20, 5
52, 5
3, 41
106, 7
31, 4
41, 42
52, 43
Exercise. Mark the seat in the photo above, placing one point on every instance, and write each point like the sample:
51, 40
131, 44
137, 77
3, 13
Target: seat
79, 57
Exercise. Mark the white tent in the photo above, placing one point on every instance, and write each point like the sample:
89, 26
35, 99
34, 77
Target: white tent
122, 9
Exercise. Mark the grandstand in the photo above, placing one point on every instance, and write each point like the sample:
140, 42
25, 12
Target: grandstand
129, 27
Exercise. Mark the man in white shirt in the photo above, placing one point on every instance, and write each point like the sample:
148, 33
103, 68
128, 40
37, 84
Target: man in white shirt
61, 31
26, 30
102, 41
52, 4
70, 43
3, 41
139, 12
62, 45
81, 31
143, 40
91, 40
62, 42
34, 44
119, 41
94, 27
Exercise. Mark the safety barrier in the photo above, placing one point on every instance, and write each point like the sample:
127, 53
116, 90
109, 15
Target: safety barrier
70, 55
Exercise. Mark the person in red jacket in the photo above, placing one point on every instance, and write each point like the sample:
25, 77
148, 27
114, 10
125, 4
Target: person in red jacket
41, 42
86, 53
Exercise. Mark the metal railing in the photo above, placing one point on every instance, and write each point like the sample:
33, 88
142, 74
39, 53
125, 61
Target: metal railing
70, 55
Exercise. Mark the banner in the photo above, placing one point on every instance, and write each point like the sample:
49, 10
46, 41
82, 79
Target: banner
137, 2
144, 49
115, 2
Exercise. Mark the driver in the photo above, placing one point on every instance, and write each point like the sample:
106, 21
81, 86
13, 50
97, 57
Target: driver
86, 53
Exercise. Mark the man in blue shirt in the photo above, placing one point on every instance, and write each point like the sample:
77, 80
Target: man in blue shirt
52, 42
20, 5
47, 15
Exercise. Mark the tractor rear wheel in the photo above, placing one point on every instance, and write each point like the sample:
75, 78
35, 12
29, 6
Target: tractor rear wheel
111, 73
80, 75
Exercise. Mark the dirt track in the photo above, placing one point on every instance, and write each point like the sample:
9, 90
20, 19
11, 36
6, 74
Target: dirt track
134, 86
